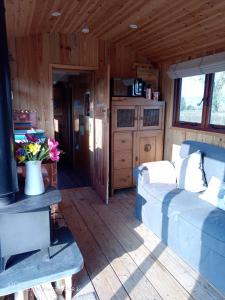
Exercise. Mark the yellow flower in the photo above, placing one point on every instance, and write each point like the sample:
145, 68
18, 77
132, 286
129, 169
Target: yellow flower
21, 158
34, 148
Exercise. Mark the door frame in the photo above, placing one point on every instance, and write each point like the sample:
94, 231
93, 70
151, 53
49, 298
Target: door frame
92, 70
102, 111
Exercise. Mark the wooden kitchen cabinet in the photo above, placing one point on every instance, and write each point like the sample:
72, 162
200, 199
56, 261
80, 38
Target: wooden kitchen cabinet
148, 146
137, 127
125, 118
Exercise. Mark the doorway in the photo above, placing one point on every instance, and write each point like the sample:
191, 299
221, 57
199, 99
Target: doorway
73, 114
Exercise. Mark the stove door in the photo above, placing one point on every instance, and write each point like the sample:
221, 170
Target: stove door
24, 232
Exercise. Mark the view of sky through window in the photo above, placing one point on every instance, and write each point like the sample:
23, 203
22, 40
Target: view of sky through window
218, 100
191, 104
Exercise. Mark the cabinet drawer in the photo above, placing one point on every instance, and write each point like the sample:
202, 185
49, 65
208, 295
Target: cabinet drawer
122, 141
122, 160
122, 178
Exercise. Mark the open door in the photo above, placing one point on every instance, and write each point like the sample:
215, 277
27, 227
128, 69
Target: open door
101, 133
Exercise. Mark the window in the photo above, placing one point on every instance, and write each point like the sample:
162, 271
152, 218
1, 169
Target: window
217, 116
199, 102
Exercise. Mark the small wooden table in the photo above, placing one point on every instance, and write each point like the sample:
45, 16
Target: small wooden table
33, 269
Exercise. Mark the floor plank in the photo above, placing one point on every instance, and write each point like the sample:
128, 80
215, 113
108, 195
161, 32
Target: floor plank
123, 259
83, 286
104, 279
190, 279
150, 266
133, 280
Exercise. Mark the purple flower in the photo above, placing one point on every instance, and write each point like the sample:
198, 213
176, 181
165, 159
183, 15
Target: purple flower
31, 138
20, 152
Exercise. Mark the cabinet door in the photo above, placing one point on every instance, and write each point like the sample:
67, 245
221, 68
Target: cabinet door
151, 117
148, 146
125, 117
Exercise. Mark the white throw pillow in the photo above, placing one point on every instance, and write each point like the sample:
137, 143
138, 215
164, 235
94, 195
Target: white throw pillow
190, 174
215, 193
161, 172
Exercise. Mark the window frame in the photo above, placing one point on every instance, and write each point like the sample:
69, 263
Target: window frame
206, 108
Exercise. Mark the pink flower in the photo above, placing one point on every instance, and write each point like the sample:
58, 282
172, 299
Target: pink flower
54, 154
52, 144
53, 151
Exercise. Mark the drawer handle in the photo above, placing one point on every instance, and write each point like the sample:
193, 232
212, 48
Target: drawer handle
123, 141
123, 160
147, 148
124, 179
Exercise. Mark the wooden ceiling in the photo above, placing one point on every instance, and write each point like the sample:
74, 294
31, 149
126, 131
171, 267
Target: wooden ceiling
167, 29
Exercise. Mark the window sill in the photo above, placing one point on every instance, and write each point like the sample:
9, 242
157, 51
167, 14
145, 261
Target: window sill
196, 130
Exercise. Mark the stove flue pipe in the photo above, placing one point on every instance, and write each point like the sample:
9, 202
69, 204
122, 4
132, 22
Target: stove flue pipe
8, 174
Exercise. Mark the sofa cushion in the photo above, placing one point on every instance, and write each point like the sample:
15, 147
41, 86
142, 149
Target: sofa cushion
180, 204
199, 247
172, 200
158, 190
190, 174
213, 158
210, 221
155, 172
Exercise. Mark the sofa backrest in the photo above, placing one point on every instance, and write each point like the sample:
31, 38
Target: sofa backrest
213, 158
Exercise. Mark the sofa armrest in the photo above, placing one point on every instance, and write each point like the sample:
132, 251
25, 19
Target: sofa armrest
155, 172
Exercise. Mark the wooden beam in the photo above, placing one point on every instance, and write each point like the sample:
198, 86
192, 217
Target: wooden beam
72, 67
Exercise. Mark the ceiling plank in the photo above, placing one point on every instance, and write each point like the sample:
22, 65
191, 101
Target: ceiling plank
67, 10
166, 28
157, 20
184, 30
190, 41
189, 35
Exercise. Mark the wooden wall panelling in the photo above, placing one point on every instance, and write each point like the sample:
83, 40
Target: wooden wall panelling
47, 101
88, 50
73, 49
31, 77
120, 66
33, 54
122, 59
30, 69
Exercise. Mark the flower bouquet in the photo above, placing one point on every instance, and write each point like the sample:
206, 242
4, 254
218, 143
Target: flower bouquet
32, 152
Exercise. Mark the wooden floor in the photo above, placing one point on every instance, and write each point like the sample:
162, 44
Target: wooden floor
123, 259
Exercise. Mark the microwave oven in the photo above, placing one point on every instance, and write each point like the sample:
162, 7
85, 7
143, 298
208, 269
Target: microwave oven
127, 87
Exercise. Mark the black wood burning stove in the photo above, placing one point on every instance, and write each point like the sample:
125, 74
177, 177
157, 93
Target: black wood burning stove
24, 221
25, 225
8, 181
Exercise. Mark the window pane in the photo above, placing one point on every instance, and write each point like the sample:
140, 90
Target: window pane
151, 117
218, 100
192, 92
125, 117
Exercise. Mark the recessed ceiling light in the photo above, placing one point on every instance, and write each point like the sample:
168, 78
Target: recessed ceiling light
133, 26
85, 29
56, 13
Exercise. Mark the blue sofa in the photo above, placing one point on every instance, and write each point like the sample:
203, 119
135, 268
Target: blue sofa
192, 227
